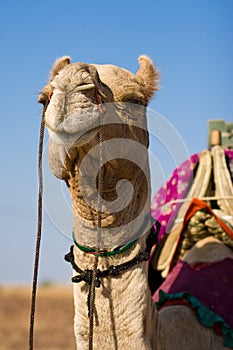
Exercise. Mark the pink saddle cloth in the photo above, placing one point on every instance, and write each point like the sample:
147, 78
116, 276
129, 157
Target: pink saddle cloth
208, 288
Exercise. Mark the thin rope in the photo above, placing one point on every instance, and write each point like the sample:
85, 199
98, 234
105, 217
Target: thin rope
39, 229
99, 223
182, 200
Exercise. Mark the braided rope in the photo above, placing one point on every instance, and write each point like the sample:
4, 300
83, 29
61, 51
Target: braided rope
39, 230
97, 250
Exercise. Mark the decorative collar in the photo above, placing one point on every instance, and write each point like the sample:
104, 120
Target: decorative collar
124, 248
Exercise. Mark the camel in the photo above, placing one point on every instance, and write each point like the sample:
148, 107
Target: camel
96, 119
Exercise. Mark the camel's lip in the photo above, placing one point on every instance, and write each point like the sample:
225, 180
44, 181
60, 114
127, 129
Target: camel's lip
71, 139
74, 118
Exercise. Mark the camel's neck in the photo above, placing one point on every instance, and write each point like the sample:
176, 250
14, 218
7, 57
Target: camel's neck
125, 200
124, 312
123, 307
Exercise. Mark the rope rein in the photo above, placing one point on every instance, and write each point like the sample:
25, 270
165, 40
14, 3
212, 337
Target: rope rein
91, 300
91, 297
39, 230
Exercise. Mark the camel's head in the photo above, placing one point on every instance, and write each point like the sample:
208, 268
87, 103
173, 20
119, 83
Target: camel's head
83, 101
74, 91
77, 92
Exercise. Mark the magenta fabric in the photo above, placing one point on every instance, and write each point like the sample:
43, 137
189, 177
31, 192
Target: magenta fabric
211, 284
176, 187
229, 154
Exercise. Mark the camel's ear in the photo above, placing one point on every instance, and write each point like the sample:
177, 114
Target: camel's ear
148, 77
48, 89
59, 65
45, 93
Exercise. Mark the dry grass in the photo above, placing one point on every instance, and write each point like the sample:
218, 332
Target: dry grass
53, 322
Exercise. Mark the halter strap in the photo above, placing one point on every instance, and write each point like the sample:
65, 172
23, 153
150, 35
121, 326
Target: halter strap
114, 270
124, 248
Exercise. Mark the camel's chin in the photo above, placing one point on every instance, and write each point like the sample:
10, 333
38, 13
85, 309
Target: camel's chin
64, 150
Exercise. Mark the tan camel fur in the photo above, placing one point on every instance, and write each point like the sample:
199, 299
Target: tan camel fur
125, 317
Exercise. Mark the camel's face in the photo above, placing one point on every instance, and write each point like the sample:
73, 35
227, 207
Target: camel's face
79, 92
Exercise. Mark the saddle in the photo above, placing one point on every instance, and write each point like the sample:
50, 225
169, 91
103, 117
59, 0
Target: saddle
206, 209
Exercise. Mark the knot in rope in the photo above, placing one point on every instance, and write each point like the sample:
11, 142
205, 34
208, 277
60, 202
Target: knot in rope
86, 276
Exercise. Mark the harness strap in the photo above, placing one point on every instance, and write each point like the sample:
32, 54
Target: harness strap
153, 237
102, 253
113, 270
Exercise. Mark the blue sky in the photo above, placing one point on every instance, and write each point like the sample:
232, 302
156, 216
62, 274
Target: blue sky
190, 41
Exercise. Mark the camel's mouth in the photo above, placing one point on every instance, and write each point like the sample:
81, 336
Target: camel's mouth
70, 140
71, 115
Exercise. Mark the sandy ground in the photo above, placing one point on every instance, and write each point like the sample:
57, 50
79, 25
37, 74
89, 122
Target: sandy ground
53, 321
